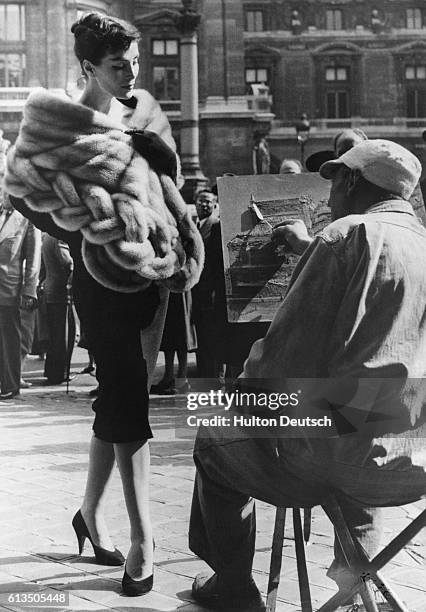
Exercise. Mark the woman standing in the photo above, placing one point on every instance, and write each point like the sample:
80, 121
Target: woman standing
180, 337
120, 303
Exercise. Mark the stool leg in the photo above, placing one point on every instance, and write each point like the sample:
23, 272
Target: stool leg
307, 520
302, 572
384, 556
276, 560
359, 569
400, 541
374, 565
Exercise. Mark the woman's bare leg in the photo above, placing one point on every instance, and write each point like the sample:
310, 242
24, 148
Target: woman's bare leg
101, 464
133, 461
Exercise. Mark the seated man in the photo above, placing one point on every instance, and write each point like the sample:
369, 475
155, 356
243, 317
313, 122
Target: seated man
355, 310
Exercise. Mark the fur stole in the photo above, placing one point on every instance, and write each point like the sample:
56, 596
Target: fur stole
79, 165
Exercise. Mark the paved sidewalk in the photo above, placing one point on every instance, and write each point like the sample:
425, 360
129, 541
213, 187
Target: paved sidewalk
44, 440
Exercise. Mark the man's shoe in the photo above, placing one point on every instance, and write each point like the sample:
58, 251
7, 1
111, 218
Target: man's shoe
9, 395
207, 590
24, 384
58, 381
164, 387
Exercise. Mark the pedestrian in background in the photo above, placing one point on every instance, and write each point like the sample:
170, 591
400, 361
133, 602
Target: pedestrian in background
180, 338
291, 166
58, 265
208, 295
346, 139
20, 256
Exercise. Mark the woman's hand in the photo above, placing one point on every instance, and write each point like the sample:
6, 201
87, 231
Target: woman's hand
152, 147
293, 234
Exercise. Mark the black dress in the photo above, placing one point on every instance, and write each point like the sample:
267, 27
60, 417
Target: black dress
113, 322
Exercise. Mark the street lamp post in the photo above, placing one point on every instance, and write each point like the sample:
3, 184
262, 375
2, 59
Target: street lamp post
187, 21
302, 130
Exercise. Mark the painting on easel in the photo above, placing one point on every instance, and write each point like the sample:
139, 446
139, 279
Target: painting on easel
257, 272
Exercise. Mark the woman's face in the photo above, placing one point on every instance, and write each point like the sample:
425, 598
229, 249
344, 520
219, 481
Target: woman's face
116, 74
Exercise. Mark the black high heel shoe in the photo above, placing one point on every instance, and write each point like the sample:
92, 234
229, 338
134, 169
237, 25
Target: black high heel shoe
102, 555
133, 588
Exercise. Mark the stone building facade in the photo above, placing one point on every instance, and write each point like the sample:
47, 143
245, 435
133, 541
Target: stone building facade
342, 62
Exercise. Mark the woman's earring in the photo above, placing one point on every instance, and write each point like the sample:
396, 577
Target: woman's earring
81, 81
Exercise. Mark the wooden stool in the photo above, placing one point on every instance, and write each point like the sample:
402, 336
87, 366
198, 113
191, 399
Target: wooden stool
276, 558
363, 569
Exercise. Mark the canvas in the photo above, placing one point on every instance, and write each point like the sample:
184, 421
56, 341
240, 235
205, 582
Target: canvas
257, 273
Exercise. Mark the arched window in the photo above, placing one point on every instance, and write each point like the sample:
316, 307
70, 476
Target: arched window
411, 74
415, 88
337, 72
337, 87
260, 62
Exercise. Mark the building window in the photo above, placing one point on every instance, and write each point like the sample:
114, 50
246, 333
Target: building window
165, 81
12, 22
416, 103
414, 19
415, 77
337, 104
415, 73
12, 69
336, 73
254, 21
168, 46
333, 19
337, 92
256, 75
165, 68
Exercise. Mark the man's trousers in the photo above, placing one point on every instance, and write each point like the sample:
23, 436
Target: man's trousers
10, 348
230, 472
27, 331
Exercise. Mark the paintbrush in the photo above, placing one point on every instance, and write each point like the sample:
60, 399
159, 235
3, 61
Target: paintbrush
257, 212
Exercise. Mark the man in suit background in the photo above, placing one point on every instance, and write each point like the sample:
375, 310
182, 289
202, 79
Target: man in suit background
20, 255
208, 296
222, 346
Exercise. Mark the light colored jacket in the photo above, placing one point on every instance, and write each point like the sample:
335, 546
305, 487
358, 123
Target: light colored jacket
20, 256
350, 335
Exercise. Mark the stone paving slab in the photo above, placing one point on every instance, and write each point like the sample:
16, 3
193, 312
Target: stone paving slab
43, 452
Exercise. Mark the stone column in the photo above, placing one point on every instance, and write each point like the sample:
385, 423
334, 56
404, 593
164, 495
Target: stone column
187, 21
56, 37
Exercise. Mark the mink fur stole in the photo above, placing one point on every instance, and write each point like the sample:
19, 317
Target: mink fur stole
80, 166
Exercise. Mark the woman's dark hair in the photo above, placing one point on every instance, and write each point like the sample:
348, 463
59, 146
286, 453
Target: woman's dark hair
96, 35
